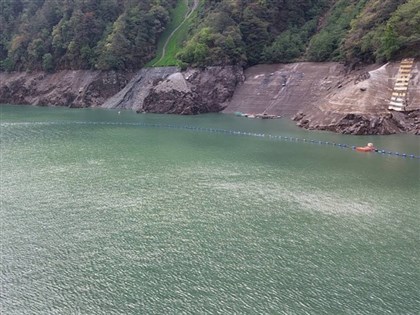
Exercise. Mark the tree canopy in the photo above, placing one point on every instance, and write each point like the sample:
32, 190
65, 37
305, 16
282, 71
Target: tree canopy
80, 34
273, 31
122, 34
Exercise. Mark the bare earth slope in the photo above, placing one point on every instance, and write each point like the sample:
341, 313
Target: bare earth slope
325, 96
155, 90
284, 89
73, 88
317, 95
168, 90
134, 93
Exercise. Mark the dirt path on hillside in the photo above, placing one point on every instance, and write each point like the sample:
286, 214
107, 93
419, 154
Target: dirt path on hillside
187, 15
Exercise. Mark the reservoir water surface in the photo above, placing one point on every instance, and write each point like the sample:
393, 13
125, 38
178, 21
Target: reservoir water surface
107, 213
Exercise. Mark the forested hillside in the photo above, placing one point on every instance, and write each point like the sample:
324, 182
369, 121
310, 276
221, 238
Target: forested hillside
123, 34
80, 34
274, 31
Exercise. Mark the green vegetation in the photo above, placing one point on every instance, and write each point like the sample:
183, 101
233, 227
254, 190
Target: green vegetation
272, 31
176, 42
80, 34
291, 44
177, 16
325, 45
216, 43
128, 34
251, 32
373, 37
403, 28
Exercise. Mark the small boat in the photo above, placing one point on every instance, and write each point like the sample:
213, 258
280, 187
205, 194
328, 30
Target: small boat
266, 116
368, 148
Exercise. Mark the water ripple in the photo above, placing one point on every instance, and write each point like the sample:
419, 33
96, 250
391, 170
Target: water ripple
103, 220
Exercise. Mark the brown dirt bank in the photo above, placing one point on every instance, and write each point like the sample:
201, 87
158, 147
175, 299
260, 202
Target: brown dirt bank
169, 90
73, 88
194, 91
321, 96
154, 90
326, 96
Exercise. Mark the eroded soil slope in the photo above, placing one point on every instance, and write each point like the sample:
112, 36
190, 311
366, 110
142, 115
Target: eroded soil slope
317, 95
326, 96
78, 88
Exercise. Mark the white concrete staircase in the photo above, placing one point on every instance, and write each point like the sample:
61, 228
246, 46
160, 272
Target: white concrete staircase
400, 93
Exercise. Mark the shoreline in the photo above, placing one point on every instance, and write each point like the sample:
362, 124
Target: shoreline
317, 96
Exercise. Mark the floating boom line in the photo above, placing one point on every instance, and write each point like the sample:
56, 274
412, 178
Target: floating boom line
217, 131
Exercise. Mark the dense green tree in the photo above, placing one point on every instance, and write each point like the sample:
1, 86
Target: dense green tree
289, 45
47, 62
362, 41
123, 34
219, 42
326, 44
255, 34
402, 32
389, 43
266, 30
80, 34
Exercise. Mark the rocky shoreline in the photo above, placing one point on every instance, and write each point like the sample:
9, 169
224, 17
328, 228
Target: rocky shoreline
194, 91
321, 96
151, 90
71, 88
329, 96
356, 124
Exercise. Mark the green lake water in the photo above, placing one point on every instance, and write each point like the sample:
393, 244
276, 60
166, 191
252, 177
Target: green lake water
101, 214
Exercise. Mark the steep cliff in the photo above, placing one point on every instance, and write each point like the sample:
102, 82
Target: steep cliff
168, 90
155, 90
194, 91
64, 88
134, 93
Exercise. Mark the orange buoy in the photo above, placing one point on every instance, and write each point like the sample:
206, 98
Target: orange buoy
368, 148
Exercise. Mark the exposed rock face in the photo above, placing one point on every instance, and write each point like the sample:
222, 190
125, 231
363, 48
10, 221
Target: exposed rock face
194, 91
285, 89
327, 97
156, 90
356, 124
317, 95
65, 88
133, 94
360, 105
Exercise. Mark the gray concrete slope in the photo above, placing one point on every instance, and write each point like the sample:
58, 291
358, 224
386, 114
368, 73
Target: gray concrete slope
285, 89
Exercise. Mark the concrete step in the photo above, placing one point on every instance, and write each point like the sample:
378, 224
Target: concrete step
399, 93
397, 99
397, 108
400, 104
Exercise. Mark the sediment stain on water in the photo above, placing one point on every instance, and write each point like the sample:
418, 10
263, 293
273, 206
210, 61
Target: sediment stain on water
119, 219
